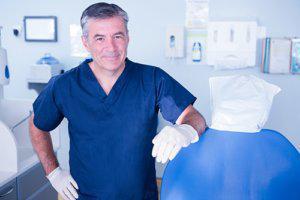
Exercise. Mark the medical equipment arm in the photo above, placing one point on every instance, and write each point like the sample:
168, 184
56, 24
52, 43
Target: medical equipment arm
60, 179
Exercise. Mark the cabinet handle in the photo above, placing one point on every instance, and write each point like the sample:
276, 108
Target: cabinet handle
8, 192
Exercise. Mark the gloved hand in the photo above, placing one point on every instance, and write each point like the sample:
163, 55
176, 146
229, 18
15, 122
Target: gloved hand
63, 183
171, 139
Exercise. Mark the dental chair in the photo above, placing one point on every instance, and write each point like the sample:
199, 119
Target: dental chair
233, 165
235, 159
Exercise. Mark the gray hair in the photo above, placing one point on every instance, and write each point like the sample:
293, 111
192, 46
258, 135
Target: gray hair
101, 11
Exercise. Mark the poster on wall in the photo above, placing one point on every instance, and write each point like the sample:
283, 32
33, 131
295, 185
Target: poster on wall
196, 46
40, 28
197, 13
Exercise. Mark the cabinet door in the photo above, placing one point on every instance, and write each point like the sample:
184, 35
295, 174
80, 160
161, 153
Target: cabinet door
9, 191
47, 192
33, 181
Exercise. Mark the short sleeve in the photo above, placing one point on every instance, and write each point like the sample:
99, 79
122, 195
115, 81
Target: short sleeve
171, 97
47, 115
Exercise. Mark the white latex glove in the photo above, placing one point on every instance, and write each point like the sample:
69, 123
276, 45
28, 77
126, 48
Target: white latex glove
169, 141
63, 183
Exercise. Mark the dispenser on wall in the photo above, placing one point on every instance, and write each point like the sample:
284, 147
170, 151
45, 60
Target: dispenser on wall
174, 42
4, 72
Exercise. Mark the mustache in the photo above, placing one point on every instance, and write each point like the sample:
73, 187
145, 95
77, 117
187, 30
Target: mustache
111, 54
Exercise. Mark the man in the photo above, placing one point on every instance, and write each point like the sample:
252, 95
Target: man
111, 104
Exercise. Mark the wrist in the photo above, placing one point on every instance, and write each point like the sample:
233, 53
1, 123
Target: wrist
188, 128
189, 131
53, 173
49, 164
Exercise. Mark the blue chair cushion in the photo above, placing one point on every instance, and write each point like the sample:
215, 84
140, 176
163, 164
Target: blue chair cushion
234, 165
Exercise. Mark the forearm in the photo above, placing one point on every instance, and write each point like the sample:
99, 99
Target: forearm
193, 118
42, 144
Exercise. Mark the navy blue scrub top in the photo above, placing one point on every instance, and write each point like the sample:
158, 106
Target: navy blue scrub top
111, 135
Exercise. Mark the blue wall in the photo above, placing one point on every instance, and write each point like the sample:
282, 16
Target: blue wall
148, 20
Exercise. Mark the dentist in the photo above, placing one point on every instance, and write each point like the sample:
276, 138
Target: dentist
112, 104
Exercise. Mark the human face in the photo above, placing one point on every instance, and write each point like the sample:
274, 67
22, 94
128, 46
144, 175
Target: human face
107, 41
